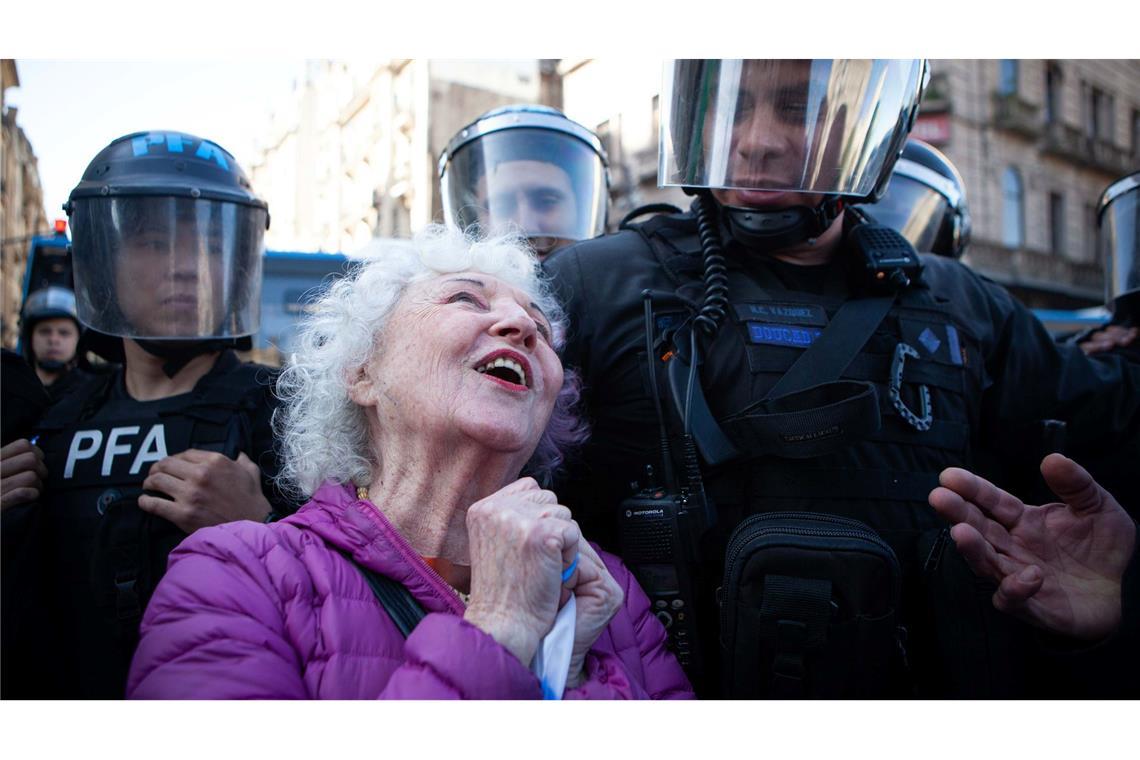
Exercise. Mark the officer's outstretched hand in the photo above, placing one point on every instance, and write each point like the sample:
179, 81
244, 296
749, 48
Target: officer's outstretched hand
1059, 566
204, 488
22, 473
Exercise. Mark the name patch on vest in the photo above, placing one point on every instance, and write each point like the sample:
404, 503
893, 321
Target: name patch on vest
783, 313
782, 335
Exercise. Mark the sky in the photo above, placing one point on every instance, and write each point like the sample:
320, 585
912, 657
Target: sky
249, 54
70, 110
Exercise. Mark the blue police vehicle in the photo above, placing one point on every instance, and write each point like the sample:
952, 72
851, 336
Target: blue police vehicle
291, 281
48, 263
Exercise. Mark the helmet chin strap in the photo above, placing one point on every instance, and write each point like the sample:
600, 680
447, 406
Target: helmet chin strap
52, 365
775, 229
179, 353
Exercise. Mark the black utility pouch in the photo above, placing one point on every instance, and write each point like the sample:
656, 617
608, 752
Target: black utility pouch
809, 609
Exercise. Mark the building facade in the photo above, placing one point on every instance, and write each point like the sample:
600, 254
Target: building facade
21, 208
1036, 142
620, 100
352, 156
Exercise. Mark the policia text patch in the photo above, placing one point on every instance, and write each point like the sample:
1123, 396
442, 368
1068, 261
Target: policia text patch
782, 335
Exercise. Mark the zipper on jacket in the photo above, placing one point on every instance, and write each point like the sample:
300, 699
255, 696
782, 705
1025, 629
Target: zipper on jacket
451, 598
935, 557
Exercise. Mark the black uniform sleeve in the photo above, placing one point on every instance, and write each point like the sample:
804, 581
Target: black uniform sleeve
24, 398
1029, 377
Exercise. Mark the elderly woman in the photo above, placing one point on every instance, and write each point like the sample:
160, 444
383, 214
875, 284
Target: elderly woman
423, 386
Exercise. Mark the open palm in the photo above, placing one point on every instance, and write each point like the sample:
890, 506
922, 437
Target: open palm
1059, 566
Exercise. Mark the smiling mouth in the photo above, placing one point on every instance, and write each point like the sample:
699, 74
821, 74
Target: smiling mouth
506, 370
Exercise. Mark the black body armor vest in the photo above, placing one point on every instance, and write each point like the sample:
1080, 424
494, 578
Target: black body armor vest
927, 373
101, 557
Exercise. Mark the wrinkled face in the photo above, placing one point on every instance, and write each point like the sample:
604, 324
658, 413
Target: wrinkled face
769, 136
55, 339
167, 281
463, 356
536, 196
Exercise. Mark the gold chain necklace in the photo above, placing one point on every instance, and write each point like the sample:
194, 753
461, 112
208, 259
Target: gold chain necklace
362, 495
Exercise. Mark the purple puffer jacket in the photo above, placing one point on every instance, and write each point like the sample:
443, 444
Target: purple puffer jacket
252, 611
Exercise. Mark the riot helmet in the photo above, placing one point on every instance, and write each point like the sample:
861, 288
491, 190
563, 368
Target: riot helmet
926, 201
1118, 219
52, 302
759, 130
526, 169
167, 239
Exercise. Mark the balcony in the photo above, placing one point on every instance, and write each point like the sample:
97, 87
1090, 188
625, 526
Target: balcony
1064, 141
1039, 278
1110, 158
1016, 115
1070, 143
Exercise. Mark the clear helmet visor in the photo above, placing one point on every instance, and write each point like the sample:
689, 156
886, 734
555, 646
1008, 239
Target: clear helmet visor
1120, 245
813, 126
546, 185
160, 267
915, 210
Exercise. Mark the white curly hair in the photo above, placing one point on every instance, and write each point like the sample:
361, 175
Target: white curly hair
323, 434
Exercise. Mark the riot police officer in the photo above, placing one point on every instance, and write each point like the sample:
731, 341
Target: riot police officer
926, 201
1118, 216
804, 367
526, 169
50, 332
168, 245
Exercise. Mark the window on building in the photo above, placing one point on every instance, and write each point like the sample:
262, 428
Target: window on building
1088, 107
1100, 114
1135, 132
1052, 93
1108, 119
1092, 232
1013, 209
657, 119
1007, 76
1057, 223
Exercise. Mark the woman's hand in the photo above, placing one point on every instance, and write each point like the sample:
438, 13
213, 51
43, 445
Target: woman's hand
598, 597
520, 539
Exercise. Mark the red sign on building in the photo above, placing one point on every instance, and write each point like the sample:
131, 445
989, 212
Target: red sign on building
932, 128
